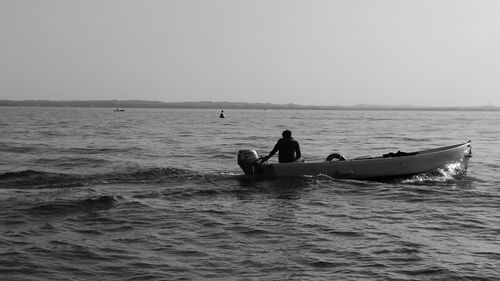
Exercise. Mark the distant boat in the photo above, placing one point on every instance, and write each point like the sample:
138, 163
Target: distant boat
116, 110
222, 114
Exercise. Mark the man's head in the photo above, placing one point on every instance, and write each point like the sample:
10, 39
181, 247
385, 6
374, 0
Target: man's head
287, 134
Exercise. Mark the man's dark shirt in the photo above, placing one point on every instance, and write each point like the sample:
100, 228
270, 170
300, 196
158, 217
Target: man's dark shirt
289, 150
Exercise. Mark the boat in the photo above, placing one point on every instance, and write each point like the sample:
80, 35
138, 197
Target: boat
390, 165
118, 110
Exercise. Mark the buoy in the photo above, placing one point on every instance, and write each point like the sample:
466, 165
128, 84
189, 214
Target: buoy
222, 114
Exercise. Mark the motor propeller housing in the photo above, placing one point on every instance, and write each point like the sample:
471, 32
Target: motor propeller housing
246, 160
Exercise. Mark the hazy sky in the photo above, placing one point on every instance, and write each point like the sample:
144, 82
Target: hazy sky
394, 52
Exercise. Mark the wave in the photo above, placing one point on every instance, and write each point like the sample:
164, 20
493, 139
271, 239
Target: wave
73, 206
30, 179
97, 150
38, 179
74, 161
16, 147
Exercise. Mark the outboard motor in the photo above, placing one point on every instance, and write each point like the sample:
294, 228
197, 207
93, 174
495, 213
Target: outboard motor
246, 160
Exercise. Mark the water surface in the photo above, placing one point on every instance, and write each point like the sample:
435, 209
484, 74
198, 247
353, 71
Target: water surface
156, 194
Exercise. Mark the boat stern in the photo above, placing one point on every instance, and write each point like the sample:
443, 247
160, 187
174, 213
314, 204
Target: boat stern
246, 160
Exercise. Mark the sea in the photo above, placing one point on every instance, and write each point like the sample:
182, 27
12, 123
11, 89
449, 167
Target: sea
156, 194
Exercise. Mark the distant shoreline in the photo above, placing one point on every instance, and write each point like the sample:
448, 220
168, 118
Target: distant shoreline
228, 105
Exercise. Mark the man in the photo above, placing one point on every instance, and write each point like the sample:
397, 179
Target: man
289, 149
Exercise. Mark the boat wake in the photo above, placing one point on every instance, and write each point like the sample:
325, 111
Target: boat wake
30, 179
450, 173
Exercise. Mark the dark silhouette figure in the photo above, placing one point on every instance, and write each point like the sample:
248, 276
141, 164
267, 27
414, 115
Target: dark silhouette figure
288, 147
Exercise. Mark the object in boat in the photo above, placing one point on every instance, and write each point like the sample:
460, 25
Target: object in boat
120, 110
222, 114
391, 165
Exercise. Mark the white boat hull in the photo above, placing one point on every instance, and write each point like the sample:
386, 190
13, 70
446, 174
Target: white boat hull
364, 168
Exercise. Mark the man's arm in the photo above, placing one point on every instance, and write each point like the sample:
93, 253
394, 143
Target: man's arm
275, 149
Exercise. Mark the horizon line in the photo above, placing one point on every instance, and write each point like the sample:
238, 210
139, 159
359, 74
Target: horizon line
136, 103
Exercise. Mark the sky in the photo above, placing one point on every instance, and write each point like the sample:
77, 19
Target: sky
310, 52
